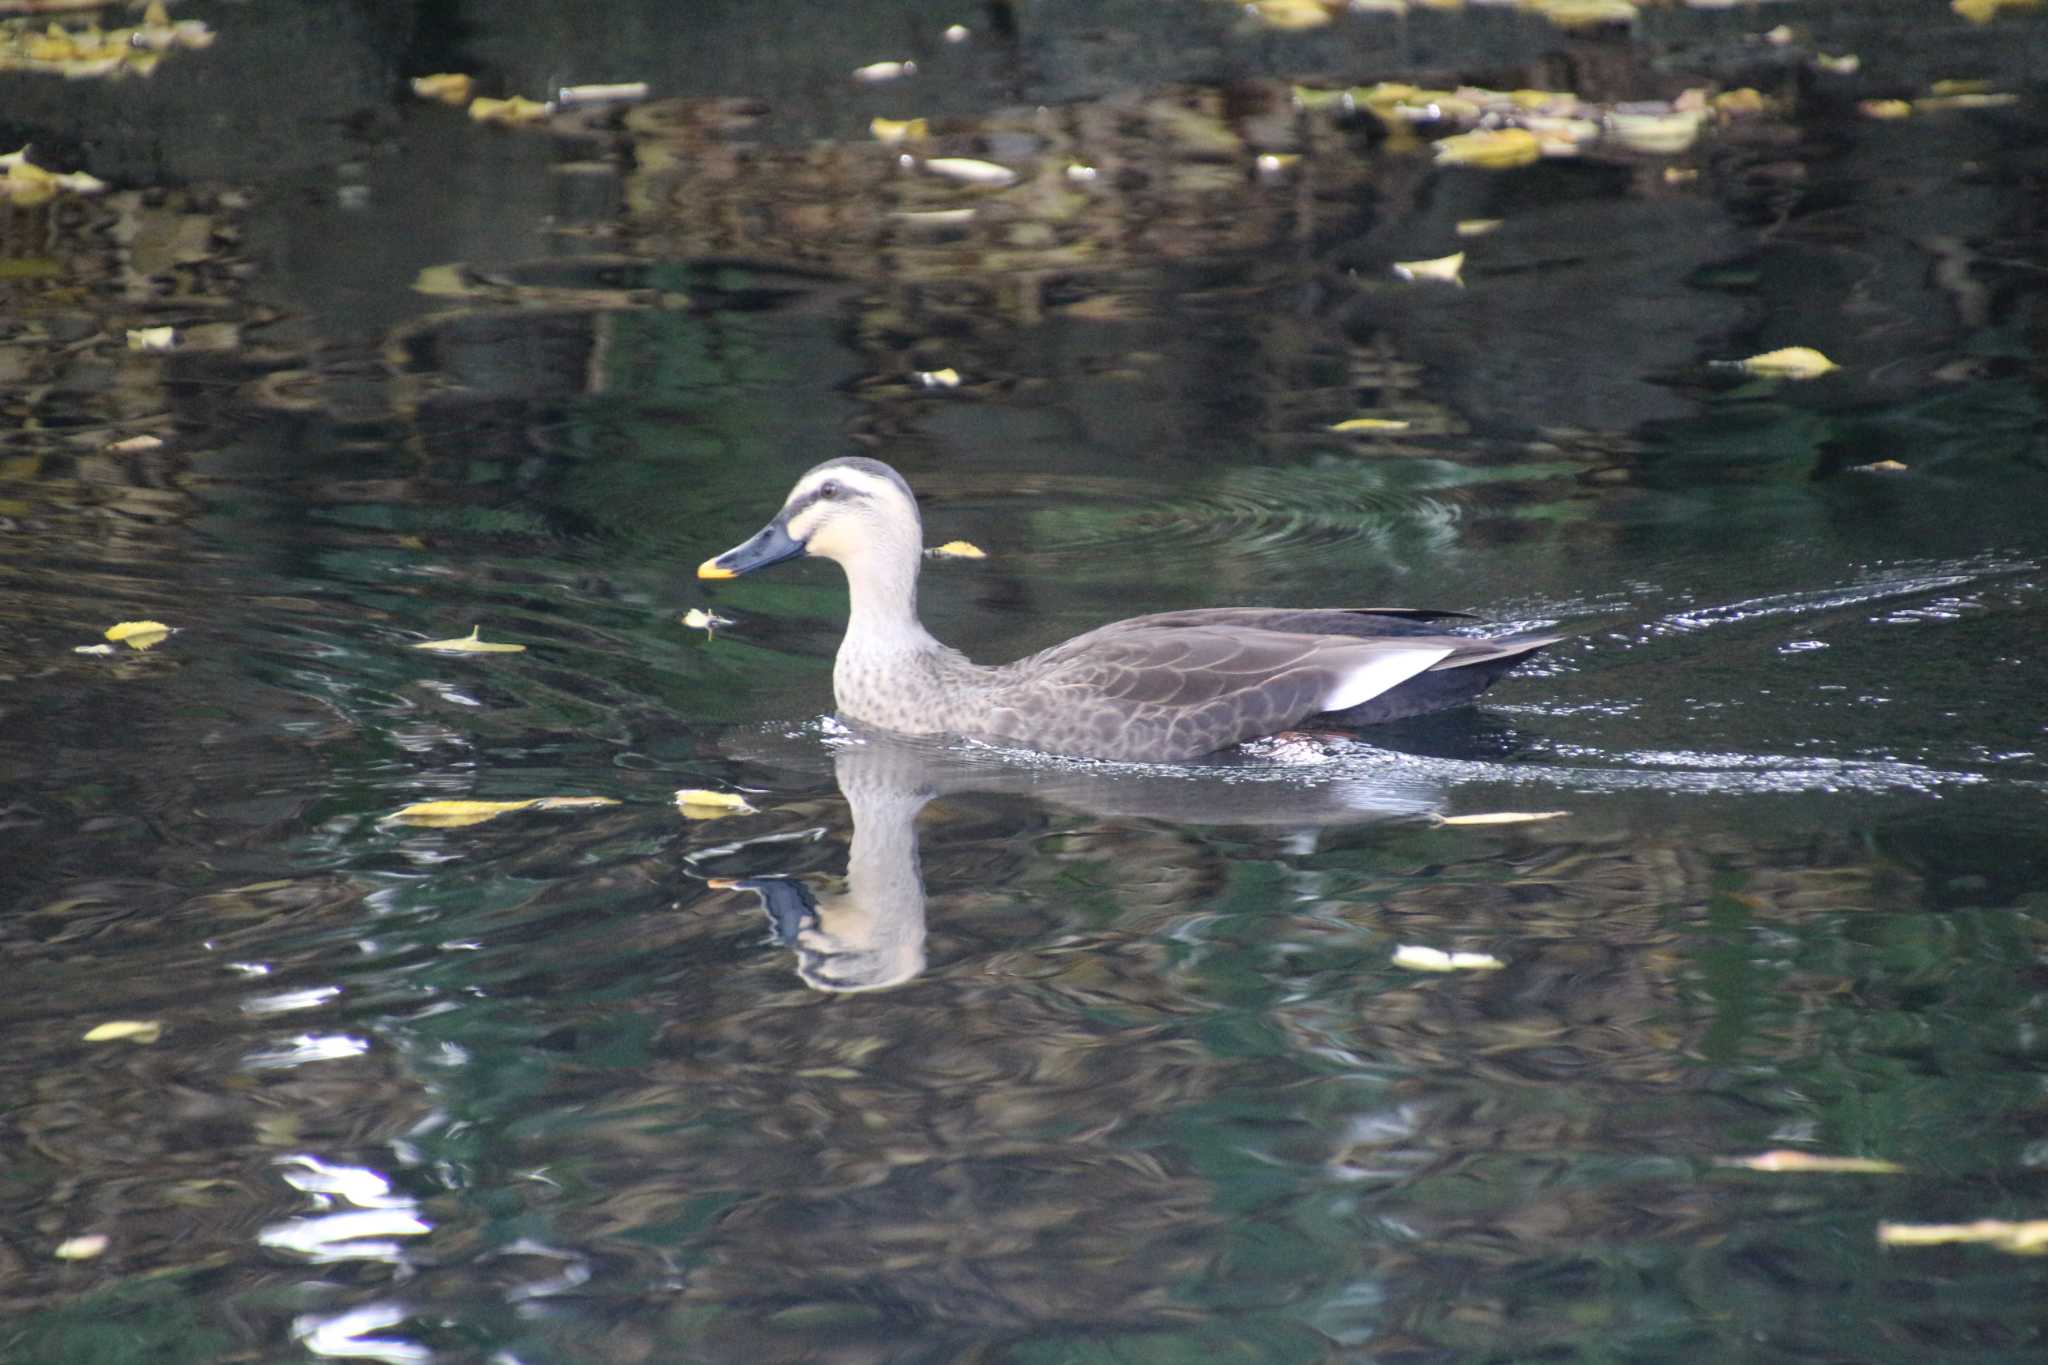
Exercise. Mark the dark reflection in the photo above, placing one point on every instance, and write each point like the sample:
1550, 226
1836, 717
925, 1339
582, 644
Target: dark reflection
866, 932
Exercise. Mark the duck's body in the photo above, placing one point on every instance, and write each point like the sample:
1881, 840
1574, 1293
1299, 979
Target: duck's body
1162, 688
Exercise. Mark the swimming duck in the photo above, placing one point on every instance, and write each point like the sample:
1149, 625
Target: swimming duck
1160, 689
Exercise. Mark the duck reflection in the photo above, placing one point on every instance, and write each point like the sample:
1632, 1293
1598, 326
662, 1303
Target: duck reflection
866, 932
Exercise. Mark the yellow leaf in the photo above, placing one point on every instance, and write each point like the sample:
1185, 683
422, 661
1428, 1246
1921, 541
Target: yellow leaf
510, 112
968, 171
697, 803
948, 378
1742, 100
1289, 16
152, 338
1503, 817
1879, 467
136, 444
1680, 175
449, 87
1780, 1162
1420, 959
1790, 362
138, 634
1885, 109
1984, 11
1848, 64
458, 814
2023, 1239
884, 71
1492, 149
472, 643
156, 16
1657, 134
1444, 269
696, 618
889, 131
1936, 103
1585, 13
957, 549
125, 1030
1478, 227
1370, 424
81, 1248
1960, 87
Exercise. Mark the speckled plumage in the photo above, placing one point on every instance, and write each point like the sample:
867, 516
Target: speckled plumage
1161, 688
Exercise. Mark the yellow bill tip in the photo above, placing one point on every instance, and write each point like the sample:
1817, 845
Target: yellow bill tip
710, 568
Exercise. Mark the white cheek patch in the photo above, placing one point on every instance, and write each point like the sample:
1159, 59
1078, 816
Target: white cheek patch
1383, 670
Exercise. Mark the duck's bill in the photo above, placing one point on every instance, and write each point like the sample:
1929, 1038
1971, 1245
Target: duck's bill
770, 545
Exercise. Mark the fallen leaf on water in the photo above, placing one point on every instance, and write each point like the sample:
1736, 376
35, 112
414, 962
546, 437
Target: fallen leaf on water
1272, 163
1848, 64
1585, 13
2023, 1239
152, 338
1885, 109
1289, 16
934, 217
890, 131
125, 1031
449, 87
1656, 134
1503, 817
136, 444
968, 171
472, 643
1746, 99
948, 378
957, 549
509, 112
1492, 149
1781, 36
1370, 424
1081, 175
697, 803
1812, 1162
1878, 467
1937, 103
696, 618
1973, 86
884, 71
81, 1248
1680, 175
1790, 362
1419, 959
957, 33
1444, 269
1984, 11
457, 814
1479, 227
92, 649
138, 634
622, 92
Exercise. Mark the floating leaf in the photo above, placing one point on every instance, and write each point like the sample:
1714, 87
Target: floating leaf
697, 803
1502, 817
696, 618
957, 33
125, 1031
81, 1248
1848, 64
138, 634
472, 643
948, 378
2022, 1239
1743, 100
1355, 424
152, 338
1586, 13
1680, 175
1289, 16
1492, 149
135, 445
1790, 362
1444, 269
1273, 163
1879, 467
1781, 1162
1885, 109
1960, 87
890, 131
884, 71
510, 112
957, 549
92, 649
1657, 134
969, 171
1419, 959
458, 814
1937, 103
1984, 11
934, 217
1081, 175
1479, 227
449, 87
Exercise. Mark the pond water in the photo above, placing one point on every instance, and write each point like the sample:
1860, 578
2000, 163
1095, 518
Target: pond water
946, 1053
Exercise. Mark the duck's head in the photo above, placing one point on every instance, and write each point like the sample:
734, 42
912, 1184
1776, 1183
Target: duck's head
850, 510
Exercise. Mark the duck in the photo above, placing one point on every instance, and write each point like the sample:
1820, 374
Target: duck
1165, 688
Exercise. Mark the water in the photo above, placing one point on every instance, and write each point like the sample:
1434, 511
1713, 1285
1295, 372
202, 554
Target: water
995, 1057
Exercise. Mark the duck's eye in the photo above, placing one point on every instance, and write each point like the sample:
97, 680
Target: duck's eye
828, 490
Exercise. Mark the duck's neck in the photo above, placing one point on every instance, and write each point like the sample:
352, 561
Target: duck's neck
883, 620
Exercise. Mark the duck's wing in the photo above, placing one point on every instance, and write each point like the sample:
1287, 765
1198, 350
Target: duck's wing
1357, 621
1151, 691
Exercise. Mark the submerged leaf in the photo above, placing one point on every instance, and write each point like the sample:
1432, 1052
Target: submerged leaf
957, 549
1790, 362
125, 1031
472, 643
697, 803
1781, 1162
1502, 817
